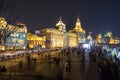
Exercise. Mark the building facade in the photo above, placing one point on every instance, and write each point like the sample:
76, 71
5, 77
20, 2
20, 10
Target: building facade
79, 31
3, 24
12, 37
54, 38
16, 36
35, 42
72, 39
109, 38
17, 39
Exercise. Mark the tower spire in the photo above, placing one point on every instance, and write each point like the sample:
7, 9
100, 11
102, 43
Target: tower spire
78, 25
78, 19
77, 16
60, 18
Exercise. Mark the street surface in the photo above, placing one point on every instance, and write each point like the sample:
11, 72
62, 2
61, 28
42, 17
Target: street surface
46, 69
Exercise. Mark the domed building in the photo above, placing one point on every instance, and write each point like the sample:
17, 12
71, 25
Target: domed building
69, 38
61, 26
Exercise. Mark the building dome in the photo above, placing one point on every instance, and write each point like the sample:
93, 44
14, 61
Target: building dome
61, 26
3, 22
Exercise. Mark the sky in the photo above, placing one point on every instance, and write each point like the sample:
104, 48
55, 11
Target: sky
96, 16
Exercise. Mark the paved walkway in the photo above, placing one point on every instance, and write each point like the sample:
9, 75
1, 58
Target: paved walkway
86, 70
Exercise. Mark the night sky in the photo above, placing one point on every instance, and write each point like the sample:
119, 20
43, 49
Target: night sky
97, 16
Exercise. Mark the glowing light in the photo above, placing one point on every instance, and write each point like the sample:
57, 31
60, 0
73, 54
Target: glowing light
118, 56
86, 46
114, 52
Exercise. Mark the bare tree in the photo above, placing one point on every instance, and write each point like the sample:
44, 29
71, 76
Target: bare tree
4, 8
4, 33
1, 4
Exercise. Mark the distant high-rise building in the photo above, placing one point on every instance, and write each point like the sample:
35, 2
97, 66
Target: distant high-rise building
61, 26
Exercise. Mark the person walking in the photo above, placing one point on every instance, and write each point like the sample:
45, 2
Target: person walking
106, 71
60, 75
20, 65
3, 68
0, 69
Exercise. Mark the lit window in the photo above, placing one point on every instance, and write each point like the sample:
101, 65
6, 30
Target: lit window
21, 41
11, 34
14, 40
24, 35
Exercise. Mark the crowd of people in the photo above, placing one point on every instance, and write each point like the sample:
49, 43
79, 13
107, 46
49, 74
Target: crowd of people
108, 62
3, 69
107, 58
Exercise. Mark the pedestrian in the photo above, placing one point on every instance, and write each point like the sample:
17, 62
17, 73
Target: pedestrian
60, 75
54, 59
49, 56
58, 61
35, 60
38, 54
0, 69
81, 57
100, 69
116, 72
20, 64
69, 66
106, 71
28, 60
66, 66
3, 68
78, 53
41, 56
49, 62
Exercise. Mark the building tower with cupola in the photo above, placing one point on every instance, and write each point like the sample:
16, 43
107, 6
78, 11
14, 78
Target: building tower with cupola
79, 31
78, 27
61, 26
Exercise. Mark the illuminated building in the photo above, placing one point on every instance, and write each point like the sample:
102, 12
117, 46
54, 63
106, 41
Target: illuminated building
35, 41
61, 26
79, 31
111, 39
89, 39
105, 39
69, 38
99, 38
17, 38
116, 40
72, 40
108, 38
54, 38
14, 36
3, 24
